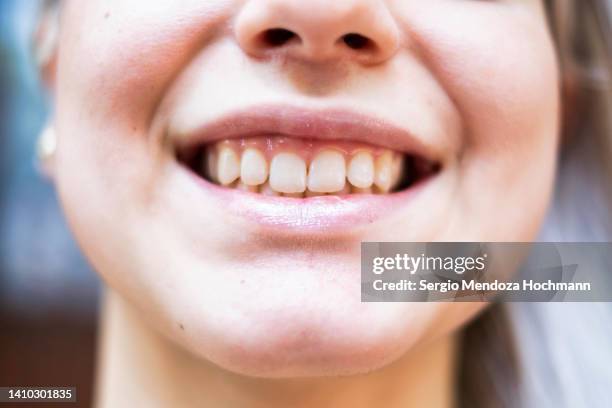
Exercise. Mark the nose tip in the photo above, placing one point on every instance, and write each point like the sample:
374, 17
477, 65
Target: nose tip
318, 30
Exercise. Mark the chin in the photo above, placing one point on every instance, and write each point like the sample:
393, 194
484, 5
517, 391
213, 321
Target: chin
331, 335
290, 345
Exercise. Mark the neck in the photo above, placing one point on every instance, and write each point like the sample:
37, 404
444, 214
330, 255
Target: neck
140, 367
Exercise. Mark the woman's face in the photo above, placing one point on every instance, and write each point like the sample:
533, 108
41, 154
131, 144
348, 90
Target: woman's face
221, 161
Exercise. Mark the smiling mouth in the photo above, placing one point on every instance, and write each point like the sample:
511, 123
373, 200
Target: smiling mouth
308, 157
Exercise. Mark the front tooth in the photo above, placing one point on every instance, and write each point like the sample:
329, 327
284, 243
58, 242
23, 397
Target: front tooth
228, 166
288, 173
361, 170
384, 169
327, 173
253, 167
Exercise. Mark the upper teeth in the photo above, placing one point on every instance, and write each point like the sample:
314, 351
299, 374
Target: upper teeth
253, 167
329, 171
228, 166
361, 170
288, 173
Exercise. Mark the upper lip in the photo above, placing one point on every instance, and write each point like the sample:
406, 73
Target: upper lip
328, 124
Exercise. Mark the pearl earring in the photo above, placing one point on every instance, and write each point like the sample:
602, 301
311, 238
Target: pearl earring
45, 149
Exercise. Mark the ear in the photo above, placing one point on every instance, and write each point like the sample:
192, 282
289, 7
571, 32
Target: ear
45, 46
46, 41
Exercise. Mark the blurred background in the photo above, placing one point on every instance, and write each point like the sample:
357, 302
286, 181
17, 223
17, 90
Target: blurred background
48, 294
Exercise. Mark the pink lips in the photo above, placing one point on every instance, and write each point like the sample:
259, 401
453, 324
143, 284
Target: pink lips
323, 214
340, 125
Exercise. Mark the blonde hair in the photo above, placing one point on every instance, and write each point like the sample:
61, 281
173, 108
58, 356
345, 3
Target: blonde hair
584, 37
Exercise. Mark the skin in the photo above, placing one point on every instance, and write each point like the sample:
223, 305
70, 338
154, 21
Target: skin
478, 78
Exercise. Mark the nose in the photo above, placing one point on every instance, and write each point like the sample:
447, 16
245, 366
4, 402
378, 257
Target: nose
318, 30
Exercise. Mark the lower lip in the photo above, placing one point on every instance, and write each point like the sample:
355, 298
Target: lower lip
322, 214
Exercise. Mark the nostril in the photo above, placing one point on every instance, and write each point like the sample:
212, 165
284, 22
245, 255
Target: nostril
357, 41
277, 37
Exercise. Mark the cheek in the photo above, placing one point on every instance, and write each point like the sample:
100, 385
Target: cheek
505, 86
498, 64
119, 71
115, 62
